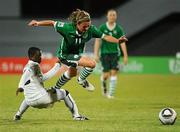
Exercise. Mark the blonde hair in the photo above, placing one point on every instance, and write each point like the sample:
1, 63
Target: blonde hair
79, 16
111, 10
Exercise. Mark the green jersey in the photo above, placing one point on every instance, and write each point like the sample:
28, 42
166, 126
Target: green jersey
73, 42
108, 47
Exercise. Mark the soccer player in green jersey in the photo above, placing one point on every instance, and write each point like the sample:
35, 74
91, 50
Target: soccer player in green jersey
110, 53
75, 34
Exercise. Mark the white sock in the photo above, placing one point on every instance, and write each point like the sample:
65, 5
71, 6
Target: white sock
112, 85
23, 107
70, 103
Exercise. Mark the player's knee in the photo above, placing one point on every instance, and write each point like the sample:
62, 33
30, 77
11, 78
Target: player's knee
72, 74
106, 76
64, 93
92, 64
67, 92
113, 74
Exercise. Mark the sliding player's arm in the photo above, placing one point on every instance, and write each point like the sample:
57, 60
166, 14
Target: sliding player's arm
25, 78
51, 72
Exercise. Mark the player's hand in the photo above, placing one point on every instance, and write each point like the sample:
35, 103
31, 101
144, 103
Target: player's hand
125, 60
19, 90
33, 23
97, 58
122, 39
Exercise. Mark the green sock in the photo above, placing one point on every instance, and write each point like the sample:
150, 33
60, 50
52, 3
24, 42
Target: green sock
84, 73
62, 80
103, 85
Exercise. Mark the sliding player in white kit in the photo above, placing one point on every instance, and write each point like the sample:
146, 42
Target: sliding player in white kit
31, 83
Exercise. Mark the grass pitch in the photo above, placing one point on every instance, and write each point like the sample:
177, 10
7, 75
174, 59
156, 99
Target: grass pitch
138, 100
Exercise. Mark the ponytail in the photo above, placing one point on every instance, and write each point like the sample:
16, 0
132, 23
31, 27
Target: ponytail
79, 16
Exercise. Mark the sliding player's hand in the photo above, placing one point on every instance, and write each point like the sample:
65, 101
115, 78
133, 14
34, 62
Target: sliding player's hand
33, 23
19, 90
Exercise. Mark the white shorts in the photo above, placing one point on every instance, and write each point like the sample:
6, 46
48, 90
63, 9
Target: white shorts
48, 99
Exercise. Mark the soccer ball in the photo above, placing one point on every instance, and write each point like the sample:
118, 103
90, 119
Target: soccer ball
167, 116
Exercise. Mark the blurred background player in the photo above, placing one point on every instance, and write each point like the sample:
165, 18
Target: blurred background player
75, 34
110, 53
35, 94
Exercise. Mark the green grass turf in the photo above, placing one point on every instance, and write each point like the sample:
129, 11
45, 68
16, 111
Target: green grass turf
138, 100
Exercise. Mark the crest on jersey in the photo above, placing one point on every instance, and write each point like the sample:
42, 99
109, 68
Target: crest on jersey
76, 56
110, 33
114, 32
105, 31
60, 24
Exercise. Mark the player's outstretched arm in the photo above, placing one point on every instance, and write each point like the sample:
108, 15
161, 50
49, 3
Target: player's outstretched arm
41, 23
96, 49
122, 39
114, 40
125, 54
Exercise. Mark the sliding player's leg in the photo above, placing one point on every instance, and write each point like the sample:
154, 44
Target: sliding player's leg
62, 94
23, 107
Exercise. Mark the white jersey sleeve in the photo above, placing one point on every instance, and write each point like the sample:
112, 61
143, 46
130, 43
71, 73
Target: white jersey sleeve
24, 78
51, 72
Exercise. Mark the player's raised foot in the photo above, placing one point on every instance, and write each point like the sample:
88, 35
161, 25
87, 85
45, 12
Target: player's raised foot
80, 118
86, 84
17, 118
